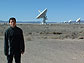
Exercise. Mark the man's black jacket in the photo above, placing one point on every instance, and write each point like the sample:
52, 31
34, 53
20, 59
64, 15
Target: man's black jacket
13, 41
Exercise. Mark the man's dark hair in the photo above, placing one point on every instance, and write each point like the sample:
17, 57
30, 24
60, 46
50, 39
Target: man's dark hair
12, 19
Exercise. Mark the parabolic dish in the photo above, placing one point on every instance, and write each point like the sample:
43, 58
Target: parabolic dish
42, 14
78, 20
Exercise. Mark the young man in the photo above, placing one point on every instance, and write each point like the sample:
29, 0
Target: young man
13, 42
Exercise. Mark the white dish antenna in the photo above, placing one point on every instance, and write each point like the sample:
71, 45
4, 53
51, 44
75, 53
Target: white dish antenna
65, 21
69, 21
78, 20
42, 15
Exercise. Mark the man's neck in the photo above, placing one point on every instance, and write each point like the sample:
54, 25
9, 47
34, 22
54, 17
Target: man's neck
12, 27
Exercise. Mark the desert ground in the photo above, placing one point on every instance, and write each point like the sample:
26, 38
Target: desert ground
51, 43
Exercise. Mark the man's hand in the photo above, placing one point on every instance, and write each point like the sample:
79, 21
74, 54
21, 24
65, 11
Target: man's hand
22, 52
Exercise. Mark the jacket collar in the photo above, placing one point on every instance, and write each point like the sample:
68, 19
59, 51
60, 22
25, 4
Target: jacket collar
13, 27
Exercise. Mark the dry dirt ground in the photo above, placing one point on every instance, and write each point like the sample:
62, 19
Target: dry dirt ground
53, 43
50, 31
50, 51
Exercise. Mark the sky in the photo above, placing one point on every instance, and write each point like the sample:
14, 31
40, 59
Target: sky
27, 10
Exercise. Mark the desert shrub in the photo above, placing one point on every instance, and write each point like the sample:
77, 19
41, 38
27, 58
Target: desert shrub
28, 38
57, 33
30, 33
81, 37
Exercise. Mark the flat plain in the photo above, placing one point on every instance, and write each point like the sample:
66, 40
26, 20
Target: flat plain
51, 43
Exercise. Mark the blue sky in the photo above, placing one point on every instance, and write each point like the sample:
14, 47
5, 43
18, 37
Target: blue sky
27, 10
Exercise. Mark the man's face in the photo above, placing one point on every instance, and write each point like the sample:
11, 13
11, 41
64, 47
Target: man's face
12, 23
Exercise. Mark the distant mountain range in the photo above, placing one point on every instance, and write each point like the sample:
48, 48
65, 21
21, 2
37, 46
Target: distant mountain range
38, 22
25, 22
3, 21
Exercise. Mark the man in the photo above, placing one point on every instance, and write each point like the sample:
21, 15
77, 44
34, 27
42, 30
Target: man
13, 42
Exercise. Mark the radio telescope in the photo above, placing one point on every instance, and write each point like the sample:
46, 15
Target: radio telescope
42, 15
78, 20
70, 21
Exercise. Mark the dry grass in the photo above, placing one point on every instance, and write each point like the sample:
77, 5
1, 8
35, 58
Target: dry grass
53, 31
28, 38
